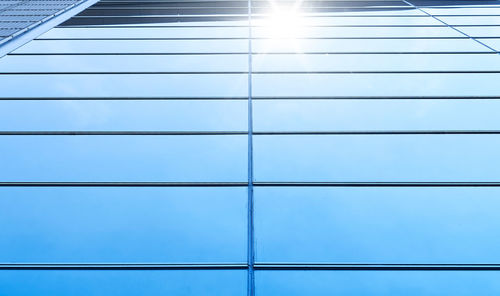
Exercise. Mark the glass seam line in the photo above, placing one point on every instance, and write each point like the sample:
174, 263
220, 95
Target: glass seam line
451, 27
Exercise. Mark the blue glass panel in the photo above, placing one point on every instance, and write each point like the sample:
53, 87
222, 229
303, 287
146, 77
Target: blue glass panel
360, 20
377, 158
134, 46
123, 158
106, 224
125, 63
366, 45
377, 225
264, 32
470, 20
129, 115
124, 85
117, 32
481, 31
375, 115
377, 283
439, 11
375, 62
495, 43
103, 283
311, 85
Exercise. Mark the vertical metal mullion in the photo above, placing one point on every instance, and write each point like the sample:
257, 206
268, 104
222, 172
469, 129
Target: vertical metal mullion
250, 205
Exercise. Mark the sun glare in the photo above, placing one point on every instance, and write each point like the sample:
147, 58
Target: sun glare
284, 24
284, 28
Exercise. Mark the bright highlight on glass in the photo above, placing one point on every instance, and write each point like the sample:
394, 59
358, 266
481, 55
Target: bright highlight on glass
283, 27
285, 24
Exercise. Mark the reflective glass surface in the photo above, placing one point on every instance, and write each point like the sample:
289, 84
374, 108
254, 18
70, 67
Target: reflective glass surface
123, 158
124, 63
376, 115
322, 283
123, 115
190, 147
123, 282
377, 158
377, 225
112, 224
131, 85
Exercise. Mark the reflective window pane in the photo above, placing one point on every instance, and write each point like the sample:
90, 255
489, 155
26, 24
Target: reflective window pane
375, 115
377, 158
117, 32
366, 32
124, 63
375, 62
120, 282
122, 224
134, 46
377, 283
481, 31
119, 115
377, 225
320, 85
123, 158
130, 85
362, 45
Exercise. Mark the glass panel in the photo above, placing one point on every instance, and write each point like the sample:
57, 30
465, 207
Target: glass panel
358, 20
123, 158
377, 283
132, 224
134, 46
126, 85
495, 43
481, 31
376, 225
367, 32
123, 282
116, 32
375, 115
125, 63
366, 45
470, 20
320, 85
86, 115
463, 11
375, 62
377, 158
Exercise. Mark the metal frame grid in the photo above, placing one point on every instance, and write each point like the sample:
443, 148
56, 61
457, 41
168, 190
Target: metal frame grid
81, 21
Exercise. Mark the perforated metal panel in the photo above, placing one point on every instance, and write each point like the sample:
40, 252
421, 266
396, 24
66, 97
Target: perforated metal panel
18, 16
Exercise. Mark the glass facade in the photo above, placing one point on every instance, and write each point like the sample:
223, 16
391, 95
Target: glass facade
254, 148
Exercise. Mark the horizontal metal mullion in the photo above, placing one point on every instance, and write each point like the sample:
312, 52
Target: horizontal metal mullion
253, 38
122, 99
254, 15
256, 133
262, 26
245, 72
246, 53
121, 266
244, 184
123, 184
253, 98
376, 184
257, 98
122, 133
394, 267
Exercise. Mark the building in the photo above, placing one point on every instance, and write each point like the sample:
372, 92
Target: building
250, 148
